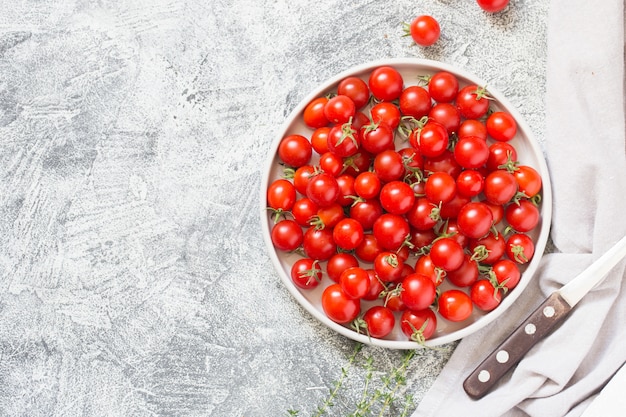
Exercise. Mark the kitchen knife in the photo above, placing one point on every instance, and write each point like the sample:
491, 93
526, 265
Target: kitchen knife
540, 322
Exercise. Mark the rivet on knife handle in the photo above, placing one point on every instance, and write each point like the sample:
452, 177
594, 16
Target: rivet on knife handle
541, 322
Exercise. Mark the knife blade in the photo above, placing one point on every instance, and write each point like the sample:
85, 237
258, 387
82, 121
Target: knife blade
540, 323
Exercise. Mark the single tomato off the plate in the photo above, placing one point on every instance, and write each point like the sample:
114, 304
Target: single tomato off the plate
405, 204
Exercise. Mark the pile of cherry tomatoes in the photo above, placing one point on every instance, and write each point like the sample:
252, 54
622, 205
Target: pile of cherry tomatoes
397, 189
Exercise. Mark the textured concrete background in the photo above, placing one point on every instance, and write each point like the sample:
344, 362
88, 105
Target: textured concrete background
134, 279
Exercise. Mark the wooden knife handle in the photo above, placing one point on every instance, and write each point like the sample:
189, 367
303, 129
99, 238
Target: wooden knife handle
540, 323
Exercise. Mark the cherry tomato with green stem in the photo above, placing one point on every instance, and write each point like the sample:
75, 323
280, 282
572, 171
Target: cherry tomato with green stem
488, 249
528, 180
387, 113
418, 326
388, 266
466, 275
391, 231
423, 215
424, 30
506, 273
485, 295
346, 190
430, 140
520, 248
366, 212
306, 273
343, 140
502, 155
472, 101
522, 216
379, 321
376, 286
377, 137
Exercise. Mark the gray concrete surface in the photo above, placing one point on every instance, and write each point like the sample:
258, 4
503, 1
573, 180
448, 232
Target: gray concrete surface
134, 278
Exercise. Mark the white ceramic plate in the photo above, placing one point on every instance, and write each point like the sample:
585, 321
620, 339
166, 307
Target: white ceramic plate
529, 153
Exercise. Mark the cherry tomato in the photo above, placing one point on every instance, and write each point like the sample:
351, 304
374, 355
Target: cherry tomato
475, 219
331, 163
338, 263
500, 187
391, 230
319, 244
338, 306
348, 233
522, 216
425, 266
379, 321
397, 197
343, 140
492, 6
455, 305
501, 155
415, 102
323, 189
443, 87
328, 216
431, 140
376, 286
367, 185
356, 89
303, 211
392, 299
389, 166
385, 83
355, 282
440, 188
368, 249
447, 114
472, 102
366, 212
287, 235
490, 248
528, 180
301, 177
313, 115
387, 113
319, 139
471, 152
388, 266
507, 273
472, 127
377, 137
484, 295
424, 30
466, 274
418, 326
339, 109
450, 210
281, 195
501, 126
418, 291
423, 215
447, 254
295, 150
306, 273
357, 163
444, 162
470, 183
520, 248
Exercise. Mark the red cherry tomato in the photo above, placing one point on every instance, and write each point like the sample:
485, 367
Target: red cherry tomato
287, 235
424, 30
281, 195
492, 6
313, 115
484, 295
472, 102
338, 306
348, 233
355, 282
443, 87
385, 83
306, 273
507, 273
501, 126
379, 321
447, 254
339, 109
323, 189
528, 180
522, 216
397, 197
418, 326
520, 248
338, 263
391, 230
418, 291
475, 219
455, 305
415, 101
356, 89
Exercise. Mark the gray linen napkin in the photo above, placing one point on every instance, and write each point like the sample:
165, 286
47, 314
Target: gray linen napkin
585, 150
